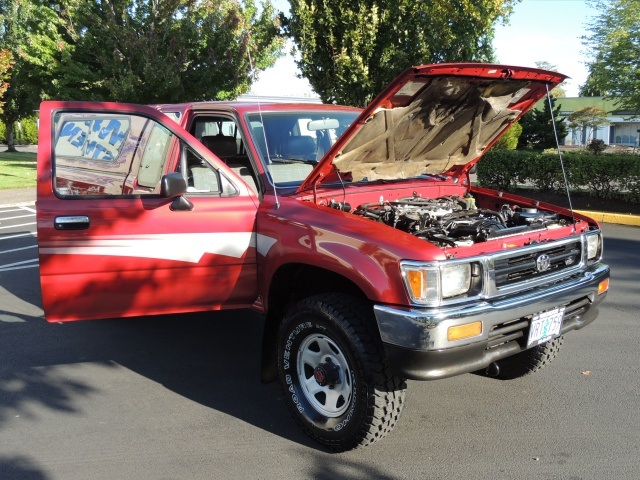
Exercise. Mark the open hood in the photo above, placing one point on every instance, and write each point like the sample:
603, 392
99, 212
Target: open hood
431, 119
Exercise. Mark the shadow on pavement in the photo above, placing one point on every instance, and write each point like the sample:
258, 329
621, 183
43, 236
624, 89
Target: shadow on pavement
210, 358
20, 468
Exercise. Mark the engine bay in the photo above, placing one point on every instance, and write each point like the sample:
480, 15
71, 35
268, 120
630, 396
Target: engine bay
454, 221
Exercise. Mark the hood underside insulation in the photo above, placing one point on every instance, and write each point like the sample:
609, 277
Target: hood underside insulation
450, 122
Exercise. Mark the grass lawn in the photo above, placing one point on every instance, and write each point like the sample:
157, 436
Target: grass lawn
17, 170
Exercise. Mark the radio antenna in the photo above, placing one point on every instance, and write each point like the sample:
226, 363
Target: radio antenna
564, 172
264, 134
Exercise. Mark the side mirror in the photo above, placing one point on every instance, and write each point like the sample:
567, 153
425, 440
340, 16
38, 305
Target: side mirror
174, 186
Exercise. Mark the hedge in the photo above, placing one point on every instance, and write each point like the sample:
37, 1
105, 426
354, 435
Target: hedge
27, 135
605, 175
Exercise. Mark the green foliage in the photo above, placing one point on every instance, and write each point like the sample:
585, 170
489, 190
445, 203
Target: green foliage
614, 41
505, 169
592, 87
631, 183
350, 50
6, 61
34, 33
25, 131
605, 176
146, 51
601, 174
509, 141
142, 51
597, 146
17, 170
544, 171
537, 127
500, 169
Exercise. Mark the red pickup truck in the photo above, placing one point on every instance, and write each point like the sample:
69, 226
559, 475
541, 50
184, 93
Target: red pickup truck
356, 232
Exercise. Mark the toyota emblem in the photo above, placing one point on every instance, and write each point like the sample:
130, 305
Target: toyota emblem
543, 263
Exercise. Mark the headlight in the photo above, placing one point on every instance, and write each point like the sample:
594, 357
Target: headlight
455, 279
431, 284
593, 246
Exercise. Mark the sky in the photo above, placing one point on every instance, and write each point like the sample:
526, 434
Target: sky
538, 30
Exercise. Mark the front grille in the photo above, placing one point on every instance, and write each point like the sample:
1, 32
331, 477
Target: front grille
523, 267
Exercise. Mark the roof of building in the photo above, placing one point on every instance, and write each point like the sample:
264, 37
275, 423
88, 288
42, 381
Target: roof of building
609, 105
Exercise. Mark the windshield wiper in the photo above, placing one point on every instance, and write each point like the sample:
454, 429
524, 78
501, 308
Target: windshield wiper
439, 176
295, 160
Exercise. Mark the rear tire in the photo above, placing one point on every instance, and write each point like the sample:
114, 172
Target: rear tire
529, 361
333, 372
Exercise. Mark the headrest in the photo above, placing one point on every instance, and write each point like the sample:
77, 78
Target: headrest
221, 145
302, 146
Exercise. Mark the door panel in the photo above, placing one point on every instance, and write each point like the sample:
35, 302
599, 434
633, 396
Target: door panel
109, 245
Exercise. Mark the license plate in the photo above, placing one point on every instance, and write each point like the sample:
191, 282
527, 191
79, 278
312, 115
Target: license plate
545, 326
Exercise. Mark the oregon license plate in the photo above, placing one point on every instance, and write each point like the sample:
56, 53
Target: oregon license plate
545, 326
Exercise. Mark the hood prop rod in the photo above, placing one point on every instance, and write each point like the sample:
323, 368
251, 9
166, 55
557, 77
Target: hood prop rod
564, 172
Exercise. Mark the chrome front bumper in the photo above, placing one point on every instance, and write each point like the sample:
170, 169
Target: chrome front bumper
416, 341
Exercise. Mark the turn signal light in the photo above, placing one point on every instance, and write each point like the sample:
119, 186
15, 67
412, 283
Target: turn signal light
415, 281
464, 331
603, 286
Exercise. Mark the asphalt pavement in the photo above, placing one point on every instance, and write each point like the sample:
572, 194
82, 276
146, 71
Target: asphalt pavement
16, 197
179, 397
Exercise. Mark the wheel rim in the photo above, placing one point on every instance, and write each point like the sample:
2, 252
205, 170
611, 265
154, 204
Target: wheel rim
325, 376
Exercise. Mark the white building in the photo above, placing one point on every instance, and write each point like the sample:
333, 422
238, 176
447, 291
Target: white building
622, 127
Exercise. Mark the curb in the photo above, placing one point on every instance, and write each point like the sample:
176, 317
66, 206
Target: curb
619, 218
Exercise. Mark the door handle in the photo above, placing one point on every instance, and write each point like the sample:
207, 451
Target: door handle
71, 222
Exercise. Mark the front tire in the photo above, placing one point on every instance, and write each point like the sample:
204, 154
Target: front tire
333, 372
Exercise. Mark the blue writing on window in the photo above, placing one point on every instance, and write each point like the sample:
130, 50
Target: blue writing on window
113, 128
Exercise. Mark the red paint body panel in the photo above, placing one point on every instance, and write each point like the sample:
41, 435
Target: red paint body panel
95, 285
307, 234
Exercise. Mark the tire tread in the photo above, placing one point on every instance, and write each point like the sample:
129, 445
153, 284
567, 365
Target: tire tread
387, 399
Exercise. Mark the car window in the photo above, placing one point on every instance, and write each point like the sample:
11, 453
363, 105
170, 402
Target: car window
201, 177
222, 136
98, 154
291, 143
154, 155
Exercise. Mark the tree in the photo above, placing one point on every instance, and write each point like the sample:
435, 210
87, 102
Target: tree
592, 87
351, 49
537, 127
615, 45
153, 51
6, 60
145, 51
557, 91
587, 119
509, 141
597, 146
33, 31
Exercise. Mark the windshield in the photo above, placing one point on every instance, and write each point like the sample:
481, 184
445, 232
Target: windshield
295, 141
